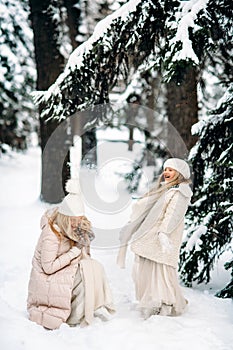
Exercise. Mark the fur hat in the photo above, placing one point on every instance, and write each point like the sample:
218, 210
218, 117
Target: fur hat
179, 165
72, 204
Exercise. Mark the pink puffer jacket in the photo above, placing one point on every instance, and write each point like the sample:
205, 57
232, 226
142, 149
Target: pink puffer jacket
54, 266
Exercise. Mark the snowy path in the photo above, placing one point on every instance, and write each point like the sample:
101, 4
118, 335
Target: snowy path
207, 325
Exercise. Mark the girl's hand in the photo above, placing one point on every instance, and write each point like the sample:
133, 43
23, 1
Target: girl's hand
165, 242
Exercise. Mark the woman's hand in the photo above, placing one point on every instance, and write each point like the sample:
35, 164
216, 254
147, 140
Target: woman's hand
83, 241
165, 242
84, 253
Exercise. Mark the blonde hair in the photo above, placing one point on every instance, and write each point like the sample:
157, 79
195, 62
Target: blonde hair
160, 187
64, 224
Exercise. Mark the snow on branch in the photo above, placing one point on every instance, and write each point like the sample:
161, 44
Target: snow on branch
194, 241
216, 115
129, 38
186, 19
77, 57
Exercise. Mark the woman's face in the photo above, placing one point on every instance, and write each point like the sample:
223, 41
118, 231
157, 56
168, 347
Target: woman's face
75, 221
169, 174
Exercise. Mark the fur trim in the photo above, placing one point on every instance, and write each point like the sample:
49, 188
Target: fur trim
72, 186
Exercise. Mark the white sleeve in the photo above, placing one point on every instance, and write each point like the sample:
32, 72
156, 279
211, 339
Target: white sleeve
174, 212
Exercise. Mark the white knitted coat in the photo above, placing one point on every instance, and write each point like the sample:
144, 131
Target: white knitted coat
166, 216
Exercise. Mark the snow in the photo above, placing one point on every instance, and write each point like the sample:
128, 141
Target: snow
226, 97
188, 15
206, 325
194, 240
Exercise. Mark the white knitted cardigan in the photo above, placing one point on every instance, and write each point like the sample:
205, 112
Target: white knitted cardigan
165, 215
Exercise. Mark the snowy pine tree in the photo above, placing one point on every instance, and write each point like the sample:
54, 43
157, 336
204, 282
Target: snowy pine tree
210, 218
17, 75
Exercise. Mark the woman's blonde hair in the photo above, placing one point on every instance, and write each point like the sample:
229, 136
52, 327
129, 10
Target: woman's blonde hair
64, 224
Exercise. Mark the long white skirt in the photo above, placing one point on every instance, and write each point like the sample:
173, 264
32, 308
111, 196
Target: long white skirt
157, 288
91, 292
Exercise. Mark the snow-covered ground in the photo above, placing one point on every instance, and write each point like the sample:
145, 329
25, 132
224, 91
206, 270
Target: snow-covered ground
207, 324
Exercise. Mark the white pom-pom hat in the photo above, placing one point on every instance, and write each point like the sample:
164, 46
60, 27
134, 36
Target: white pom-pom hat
179, 165
72, 204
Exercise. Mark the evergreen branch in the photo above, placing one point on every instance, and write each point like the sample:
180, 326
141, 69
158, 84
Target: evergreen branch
138, 32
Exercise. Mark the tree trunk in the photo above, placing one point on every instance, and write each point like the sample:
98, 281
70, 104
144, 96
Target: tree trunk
50, 64
131, 140
89, 142
182, 111
152, 104
73, 20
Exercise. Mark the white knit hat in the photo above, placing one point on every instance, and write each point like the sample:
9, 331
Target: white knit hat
179, 165
72, 204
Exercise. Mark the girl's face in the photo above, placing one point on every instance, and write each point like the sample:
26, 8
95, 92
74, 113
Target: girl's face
169, 174
75, 221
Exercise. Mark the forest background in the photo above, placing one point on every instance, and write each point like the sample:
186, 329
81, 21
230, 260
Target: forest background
162, 68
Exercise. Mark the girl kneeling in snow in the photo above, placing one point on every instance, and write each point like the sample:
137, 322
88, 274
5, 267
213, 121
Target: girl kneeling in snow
156, 225
66, 285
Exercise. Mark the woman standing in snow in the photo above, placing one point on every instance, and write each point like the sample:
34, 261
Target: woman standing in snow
156, 226
66, 285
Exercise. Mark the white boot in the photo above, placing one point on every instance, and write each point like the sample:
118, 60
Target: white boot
102, 313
